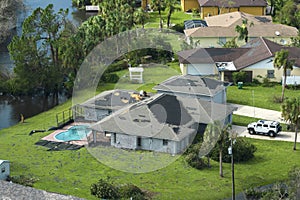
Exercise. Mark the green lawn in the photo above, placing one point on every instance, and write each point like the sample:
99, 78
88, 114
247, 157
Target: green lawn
72, 172
263, 96
177, 17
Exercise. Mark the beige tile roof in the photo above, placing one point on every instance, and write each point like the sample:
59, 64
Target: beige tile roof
234, 18
263, 30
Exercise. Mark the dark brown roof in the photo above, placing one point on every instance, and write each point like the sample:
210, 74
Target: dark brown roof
210, 55
260, 49
254, 51
236, 3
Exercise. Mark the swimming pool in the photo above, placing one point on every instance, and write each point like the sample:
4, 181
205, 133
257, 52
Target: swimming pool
77, 132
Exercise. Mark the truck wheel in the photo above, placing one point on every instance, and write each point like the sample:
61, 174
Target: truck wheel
271, 134
251, 131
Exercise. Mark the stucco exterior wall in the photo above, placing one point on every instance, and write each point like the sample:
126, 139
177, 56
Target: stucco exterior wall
206, 42
201, 69
220, 97
183, 68
253, 10
208, 11
189, 5
4, 170
145, 2
150, 144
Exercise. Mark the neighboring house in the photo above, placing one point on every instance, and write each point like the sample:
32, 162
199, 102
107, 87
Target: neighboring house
105, 103
221, 29
199, 87
162, 123
255, 58
217, 7
4, 169
14, 191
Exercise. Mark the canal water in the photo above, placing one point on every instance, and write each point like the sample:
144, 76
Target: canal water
11, 107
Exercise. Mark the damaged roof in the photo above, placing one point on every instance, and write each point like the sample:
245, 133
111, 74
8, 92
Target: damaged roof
163, 116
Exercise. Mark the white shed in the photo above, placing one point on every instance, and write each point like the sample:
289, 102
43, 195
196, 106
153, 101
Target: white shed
4, 169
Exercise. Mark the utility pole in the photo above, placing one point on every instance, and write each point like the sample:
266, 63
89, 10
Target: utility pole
230, 152
232, 171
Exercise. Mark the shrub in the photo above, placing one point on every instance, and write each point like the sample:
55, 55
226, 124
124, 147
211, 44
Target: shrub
178, 27
266, 82
277, 99
110, 78
242, 151
255, 81
104, 189
26, 180
131, 191
253, 194
239, 76
193, 159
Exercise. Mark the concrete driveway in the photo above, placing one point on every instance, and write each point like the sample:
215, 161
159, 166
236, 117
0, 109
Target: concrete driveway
258, 112
262, 114
282, 136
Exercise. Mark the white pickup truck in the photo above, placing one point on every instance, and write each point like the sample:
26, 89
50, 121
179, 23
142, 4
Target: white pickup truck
271, 128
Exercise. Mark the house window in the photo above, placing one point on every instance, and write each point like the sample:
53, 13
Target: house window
222, 40
139, 141
288, 72
3, 170
165, 142
270, 74
115, 138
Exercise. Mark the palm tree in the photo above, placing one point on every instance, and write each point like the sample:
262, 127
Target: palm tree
281, 61
243, 30
223, 131
159, 6
290, 111
171, 6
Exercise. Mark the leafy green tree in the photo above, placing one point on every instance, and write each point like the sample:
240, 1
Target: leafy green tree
171, 7
159, 6
290, 111
281, 60
243, 30
140, 17
296, 40
231, 43
36, 51
290, 14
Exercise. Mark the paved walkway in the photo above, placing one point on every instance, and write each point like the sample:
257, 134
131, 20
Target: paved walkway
262, 114
258, 113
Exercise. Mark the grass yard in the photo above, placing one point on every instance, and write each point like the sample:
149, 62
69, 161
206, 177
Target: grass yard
152, 75
263, 96
177, 17
72, 172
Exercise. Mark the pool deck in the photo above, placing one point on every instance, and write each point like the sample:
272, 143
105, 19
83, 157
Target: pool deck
51, 137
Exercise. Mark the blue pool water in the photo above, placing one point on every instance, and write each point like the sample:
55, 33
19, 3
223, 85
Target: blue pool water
77, 132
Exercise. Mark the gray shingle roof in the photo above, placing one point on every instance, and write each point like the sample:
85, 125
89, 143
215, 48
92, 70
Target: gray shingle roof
192, 85
17, 192
112, 99
163, 116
